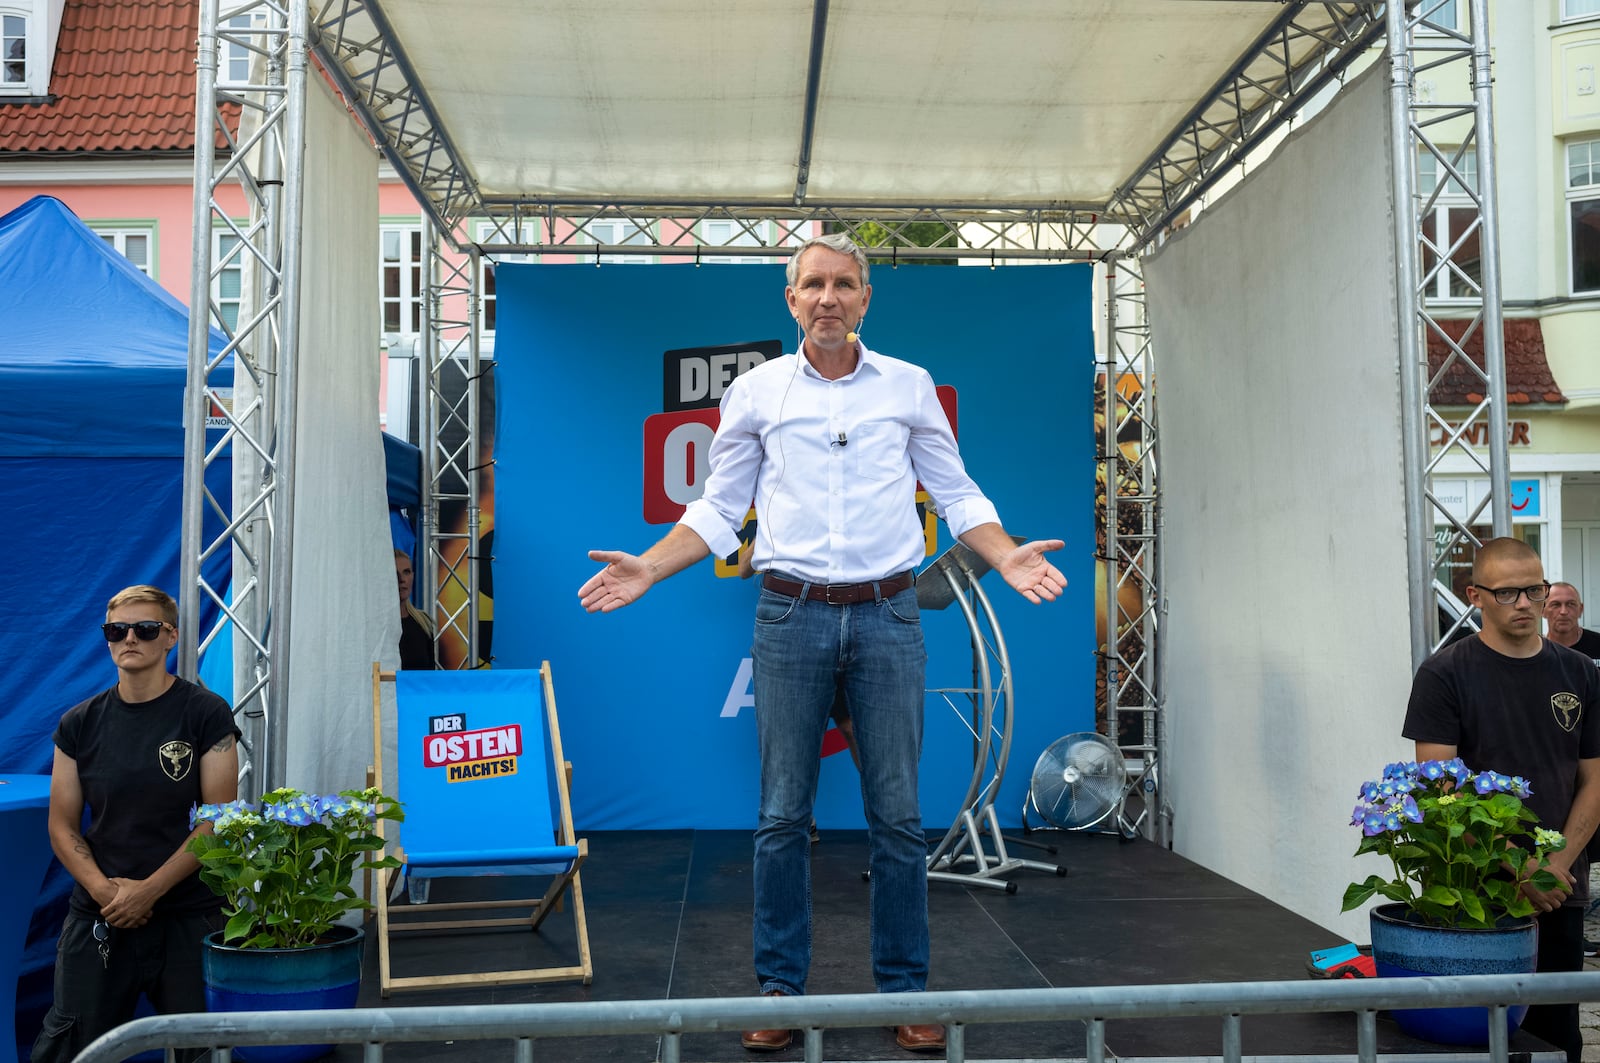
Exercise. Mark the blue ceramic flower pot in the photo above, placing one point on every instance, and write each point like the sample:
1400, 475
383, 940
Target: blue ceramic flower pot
326, 975
1404, 947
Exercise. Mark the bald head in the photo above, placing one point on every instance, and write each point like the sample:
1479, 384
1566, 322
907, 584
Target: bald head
1501, 551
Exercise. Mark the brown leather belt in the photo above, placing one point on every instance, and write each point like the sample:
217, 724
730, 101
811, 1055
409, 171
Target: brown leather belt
839, 593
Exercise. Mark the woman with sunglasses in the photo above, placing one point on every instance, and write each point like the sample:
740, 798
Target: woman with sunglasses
139, 756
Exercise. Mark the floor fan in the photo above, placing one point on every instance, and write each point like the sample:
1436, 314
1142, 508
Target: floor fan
1078, 781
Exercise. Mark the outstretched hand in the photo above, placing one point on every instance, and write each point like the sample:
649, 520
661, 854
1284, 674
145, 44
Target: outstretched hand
622, 582
1030, 575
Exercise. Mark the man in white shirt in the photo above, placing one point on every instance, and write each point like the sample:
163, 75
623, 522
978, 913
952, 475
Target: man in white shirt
831, 443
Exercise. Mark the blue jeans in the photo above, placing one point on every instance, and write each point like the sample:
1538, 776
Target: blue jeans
872, 653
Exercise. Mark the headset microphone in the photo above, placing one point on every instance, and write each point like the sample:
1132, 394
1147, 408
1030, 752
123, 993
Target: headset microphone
853, 335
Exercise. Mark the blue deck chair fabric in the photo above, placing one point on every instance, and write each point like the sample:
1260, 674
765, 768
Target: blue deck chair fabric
468, 750
482, 777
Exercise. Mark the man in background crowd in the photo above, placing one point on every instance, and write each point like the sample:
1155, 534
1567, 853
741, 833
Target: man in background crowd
1562, 615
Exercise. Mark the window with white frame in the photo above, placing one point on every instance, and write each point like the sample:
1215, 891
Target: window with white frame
13, 51
227, 279
1453, 220
613, 231
1575, 9
1445, 15
507, 232
136, 243
1583, 214
233, 66
725, 232
400, 277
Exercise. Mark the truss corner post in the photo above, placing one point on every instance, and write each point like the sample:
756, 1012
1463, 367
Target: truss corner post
452, 444
1131, 551
1413, 364
195, 404
1434, 260
249, 421
1493, 325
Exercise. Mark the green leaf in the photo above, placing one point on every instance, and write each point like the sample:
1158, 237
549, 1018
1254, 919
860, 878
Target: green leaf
238, 926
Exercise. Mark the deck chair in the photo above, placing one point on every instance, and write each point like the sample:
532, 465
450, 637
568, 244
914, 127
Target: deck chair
485, 788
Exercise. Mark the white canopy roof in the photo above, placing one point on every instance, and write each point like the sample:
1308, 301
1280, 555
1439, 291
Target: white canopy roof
1001, 104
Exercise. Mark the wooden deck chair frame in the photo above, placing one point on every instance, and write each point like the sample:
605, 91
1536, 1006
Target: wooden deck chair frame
399, 920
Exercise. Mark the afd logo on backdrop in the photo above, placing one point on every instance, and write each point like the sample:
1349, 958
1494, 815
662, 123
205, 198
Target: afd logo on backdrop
676, 441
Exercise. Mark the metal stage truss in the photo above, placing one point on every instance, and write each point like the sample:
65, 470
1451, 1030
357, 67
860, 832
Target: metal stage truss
1304, 52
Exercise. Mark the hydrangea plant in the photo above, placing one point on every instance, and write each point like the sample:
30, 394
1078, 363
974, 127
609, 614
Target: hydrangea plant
283, 868
1461, 843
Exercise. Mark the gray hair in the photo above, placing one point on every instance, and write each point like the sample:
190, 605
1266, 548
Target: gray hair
833, 242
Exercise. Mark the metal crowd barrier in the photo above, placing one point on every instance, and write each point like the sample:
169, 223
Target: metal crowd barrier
522, 1024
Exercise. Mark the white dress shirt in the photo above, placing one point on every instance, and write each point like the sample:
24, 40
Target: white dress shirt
833, 467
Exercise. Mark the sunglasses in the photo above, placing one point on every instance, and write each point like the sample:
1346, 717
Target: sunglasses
147, 630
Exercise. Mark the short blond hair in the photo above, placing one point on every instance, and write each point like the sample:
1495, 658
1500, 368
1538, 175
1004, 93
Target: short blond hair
143, 592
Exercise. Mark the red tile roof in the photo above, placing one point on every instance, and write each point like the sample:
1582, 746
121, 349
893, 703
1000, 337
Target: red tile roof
123, 83
1528, 377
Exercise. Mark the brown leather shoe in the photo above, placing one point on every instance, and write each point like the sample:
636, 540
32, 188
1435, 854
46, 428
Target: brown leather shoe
767, 1040
924, 1038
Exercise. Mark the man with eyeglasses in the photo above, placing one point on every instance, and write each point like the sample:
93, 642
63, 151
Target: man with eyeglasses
1512, 701
1563, 613
139, 756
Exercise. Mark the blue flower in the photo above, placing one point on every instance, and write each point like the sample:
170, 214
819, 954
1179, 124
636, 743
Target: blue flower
1400, 769
333, 805
299, 811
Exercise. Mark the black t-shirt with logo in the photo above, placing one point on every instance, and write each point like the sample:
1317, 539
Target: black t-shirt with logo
139, 767
1528, 716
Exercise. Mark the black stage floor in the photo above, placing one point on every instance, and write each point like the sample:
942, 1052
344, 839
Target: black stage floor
669, 917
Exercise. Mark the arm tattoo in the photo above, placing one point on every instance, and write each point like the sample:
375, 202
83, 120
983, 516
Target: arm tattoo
81, 847
224, 745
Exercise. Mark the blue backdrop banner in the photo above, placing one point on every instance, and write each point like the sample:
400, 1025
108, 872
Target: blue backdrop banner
607, 391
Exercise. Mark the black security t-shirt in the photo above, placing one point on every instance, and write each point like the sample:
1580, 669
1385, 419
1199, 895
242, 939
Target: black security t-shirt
139, 767
1588, 643
1528, 716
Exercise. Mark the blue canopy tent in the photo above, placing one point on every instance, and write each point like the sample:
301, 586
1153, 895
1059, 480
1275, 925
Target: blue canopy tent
403, 466
92, 375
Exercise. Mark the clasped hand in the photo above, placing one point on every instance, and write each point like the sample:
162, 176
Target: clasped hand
131, 904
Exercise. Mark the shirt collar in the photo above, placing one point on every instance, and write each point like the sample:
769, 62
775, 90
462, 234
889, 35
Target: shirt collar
866, 362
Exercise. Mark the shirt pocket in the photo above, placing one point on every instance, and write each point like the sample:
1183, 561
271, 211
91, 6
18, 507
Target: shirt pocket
880, 449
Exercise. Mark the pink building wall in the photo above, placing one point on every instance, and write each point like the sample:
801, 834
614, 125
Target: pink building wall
169, 206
